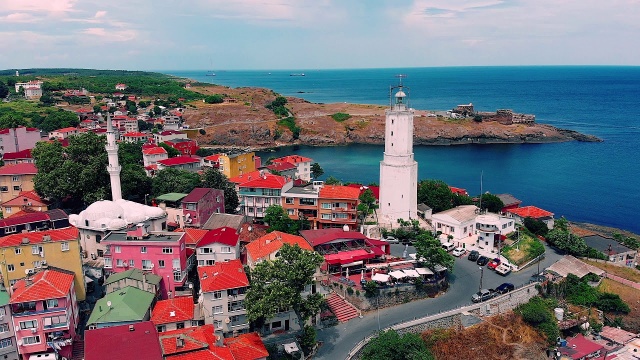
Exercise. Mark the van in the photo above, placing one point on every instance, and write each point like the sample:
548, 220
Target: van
448, 246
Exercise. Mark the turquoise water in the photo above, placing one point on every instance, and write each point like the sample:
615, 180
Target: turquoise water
590, 182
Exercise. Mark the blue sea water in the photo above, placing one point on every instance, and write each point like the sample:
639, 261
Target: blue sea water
587, 182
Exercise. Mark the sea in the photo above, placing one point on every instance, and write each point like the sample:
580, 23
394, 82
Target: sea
582, 181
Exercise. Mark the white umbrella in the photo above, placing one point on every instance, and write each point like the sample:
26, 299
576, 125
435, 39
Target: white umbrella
411, 273
347, 272
380, 277
406, 250
362, 277
398, 274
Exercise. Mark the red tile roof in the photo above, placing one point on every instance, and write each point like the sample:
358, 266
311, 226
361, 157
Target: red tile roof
22, 154
339, 192
196, 195
170, 132
25, 219
272, 242
200, 344
46, 284
19, 169
281, 166
374, 189
294, 159
67, 234
459, 191
222, 276
154, 150
530, 211
242, 178
213, 158
119, 342
178, 160
23, 212
135, 134
192, 235
224, 235
321, 236
267, 181
27, 196
66, 130
247, 347
178, 309
583, 347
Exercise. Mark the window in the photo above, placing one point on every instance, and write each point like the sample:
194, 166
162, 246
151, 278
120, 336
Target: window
161, 263
291, 211
339, 216
200, 262
236, 305
217, 309
34, 250
4, 188
311, 202
64, 246
11, 268
326, 205
30, 340
5, 343
210, 262
146, 264
119, 263
217, 294
226, 250
15, 178
10, 229
118, 250
51, 303
175, 263
16, 188
288, 200
55, 321
4, 328
161, 328
276, 324
167, 250
143, 249
326, 216
29, 324
107, 263
37, 264
132, 263
217, 324
7, 209
206, 250
180, 325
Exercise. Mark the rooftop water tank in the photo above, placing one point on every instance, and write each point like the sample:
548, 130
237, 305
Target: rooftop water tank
559, 313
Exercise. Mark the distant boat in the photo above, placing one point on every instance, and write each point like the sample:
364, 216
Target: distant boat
297, 74
211, 73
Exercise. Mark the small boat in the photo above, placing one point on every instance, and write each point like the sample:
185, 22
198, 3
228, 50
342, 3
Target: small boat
211, 73
297, 74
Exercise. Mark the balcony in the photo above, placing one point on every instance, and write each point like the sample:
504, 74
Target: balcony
236, 324
179, 276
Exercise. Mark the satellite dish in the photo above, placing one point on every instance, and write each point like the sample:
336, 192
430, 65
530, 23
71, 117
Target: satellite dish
109, 303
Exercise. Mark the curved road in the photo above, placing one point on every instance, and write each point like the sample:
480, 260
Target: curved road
464, 282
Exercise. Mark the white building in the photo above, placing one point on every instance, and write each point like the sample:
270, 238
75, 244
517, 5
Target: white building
398, 169
458, 222
218, 245
491, 230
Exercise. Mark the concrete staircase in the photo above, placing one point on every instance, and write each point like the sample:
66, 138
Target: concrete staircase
342, 309
77, 352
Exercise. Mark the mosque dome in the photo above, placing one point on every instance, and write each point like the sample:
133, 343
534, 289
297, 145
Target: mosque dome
115, 215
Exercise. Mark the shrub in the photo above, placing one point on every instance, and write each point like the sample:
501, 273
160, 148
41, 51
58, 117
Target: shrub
609, 302
370, 289
340, 117
357, 291
202, 132
350, 290
214, 99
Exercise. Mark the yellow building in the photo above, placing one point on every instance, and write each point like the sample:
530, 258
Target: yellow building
15, 179
31, 251
27, 200
232, 165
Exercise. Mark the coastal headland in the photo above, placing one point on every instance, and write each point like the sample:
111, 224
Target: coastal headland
243, 121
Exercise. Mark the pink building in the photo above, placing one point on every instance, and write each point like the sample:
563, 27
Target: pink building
20, 138
160, 253
45, 313
198, 206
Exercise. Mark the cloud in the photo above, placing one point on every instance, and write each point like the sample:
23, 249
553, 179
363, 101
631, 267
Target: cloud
298, 12
18, 18
110, 35
100, 14
48, 6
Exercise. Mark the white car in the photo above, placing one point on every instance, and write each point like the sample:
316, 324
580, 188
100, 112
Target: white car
458, 252
391, 240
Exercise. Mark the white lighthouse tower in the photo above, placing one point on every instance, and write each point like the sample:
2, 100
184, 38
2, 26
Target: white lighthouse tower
398, 169
114, 166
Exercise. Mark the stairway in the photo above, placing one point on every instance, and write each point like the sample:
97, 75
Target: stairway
77, 352
342, 309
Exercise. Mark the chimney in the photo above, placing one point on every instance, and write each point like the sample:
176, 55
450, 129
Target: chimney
219, 337
131, 328
179, 342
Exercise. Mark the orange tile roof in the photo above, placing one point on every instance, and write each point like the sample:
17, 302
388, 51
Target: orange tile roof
247, 347
172, 310
66, 130
19, 169
294, 159
272, 242
154, 151
339, 192
47, 284
200, 344
192, 235
530, 211
22, 212
67, 234
25, 197
195, 338
242, 178
267, 181
222, 276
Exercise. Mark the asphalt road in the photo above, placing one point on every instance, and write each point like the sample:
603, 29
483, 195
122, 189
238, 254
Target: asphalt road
465, 281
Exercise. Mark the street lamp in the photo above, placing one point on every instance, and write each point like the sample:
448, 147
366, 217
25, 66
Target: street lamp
481, 273
145, 198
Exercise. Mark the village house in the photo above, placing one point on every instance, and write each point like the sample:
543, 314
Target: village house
132, 340
18, 157
8, 346
32, 93
282, 168
168, 135
137, 278
457, 223
218, 245
134, 137
18, 139
29, 220
205, 342
302, 202
521, 213
224, 286
303, 165
32, 83
200, 204
28, 252
338, 207
232, 164
579, 348
151, 155
176, 313
14, 179
161, 253
186, 163
233, 221
63, 133
45, 313
618, 254
260, 190
128, 305
171, 122
25, 200
121, 86
185, 146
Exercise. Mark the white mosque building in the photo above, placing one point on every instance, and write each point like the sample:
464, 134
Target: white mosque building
398, 169
104, 216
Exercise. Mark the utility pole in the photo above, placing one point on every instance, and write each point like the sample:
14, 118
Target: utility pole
481, 274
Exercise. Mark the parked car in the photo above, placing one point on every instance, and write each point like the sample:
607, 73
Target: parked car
503, 269
505, 288
391, 240
448, 246
482, 260
483, 295
537, 278
458, 251
473, 255
494, 263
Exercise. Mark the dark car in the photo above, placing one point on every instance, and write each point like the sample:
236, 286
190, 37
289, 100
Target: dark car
473, 255
537, 278
482, 260
505, 288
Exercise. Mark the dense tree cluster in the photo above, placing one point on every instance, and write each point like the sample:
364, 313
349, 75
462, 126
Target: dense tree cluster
389, 345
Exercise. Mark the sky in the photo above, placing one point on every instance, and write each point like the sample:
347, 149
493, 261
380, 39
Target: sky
316, 34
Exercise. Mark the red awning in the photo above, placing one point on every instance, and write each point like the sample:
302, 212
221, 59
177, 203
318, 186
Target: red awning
172, 224
346, 257
377, 251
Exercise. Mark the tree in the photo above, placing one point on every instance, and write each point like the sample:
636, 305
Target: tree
58, 120
462, 200
429, 251
278, 284
77, 173
11, 82
278, 220
4, 90
537, 227
12, 120
174, 180
332, 181
367, 204
316, 171
389, 345
567, 241
214, 99
135, 182
130, 154
170, 151
47, 99
144, 126
436, 194
491, 203
215, 179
